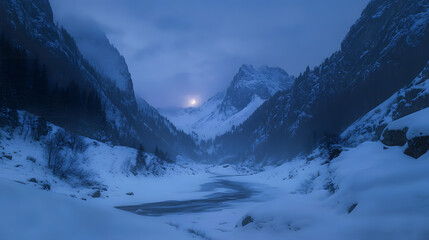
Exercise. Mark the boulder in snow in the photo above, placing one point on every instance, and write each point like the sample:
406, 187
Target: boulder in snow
352, 207
412, 129
46, 186
32, 180
96, 194
417, 146
246, 220
395, 137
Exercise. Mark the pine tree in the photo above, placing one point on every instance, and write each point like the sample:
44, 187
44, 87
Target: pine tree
41, 130
13, 118
157, 151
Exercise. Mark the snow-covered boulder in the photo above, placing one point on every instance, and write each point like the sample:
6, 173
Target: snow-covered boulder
413, 129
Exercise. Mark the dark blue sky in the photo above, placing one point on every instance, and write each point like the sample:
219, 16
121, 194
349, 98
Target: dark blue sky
178, 50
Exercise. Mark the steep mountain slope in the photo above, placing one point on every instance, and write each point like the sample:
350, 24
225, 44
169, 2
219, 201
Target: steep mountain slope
249, 82
249, 89
408, 100
101, 54
29, 25
106, 59
383, 52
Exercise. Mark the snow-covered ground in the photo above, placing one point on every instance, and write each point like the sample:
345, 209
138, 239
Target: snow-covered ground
368, 192
376, 193
30, 213
417, 124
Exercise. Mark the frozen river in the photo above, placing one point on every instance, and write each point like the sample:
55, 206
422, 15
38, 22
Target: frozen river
221, 193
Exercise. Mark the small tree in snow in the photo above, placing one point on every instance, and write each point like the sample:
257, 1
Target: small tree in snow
161, 154
63, 151
39, 128
141, 158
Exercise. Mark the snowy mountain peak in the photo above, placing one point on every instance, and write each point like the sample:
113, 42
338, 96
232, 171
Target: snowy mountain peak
273, 77
249, 89
249, 82
251, 70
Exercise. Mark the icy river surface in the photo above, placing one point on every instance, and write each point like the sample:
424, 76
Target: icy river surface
222, 192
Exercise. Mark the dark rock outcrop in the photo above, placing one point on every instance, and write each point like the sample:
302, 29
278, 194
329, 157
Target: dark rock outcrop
395, 137
246, 220
46, 187
417, 146
352, 207
335, 152
96, 194
33, 180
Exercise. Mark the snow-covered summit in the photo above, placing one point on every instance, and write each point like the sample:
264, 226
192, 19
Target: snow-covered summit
250, 87
263, 82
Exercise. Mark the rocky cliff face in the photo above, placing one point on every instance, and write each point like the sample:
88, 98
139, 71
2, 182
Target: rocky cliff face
30, 23
101, 54
252, 82
383, 52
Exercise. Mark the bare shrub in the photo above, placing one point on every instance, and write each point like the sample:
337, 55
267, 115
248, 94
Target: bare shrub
127, 166
76, 143
64, 151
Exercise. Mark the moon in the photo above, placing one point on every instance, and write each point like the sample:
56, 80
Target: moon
193, 102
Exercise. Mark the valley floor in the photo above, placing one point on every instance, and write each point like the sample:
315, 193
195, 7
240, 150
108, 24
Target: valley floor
368, 192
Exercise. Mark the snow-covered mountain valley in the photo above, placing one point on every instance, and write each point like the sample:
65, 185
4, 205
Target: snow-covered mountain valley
311, 196
339, 152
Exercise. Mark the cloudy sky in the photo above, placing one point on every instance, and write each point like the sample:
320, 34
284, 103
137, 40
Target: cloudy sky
177, 50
